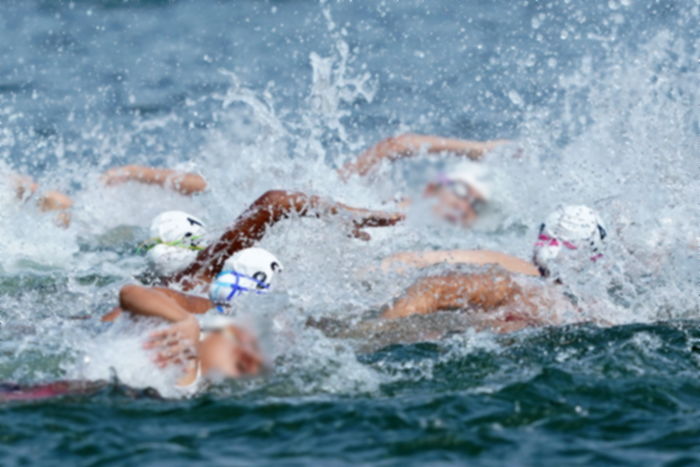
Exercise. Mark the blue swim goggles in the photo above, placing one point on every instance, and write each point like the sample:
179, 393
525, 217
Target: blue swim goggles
236, 288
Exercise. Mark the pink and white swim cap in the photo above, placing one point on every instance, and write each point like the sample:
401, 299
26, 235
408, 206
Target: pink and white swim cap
569, 229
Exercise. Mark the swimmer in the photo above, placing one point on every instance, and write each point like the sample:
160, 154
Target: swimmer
49, 201
175, 239
223, 350
251, 270
210, 348
251, 226
185, 183
459, 194
571, 237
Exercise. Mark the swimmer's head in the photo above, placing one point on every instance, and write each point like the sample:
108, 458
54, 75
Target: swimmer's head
461, 193
249, 270
165, 260
177, 228
176, 237
571, 233
228, 349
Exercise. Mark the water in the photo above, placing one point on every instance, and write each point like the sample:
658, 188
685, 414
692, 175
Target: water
601, 96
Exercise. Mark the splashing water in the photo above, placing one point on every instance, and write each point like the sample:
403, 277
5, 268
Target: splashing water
605, 121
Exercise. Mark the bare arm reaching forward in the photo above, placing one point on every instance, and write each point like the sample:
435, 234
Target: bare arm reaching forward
409, 145
423, 259
267, 210
185, 183
157, 301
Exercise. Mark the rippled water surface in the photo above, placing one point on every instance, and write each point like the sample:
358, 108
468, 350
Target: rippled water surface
601, 97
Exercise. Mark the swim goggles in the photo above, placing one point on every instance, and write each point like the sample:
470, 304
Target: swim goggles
544, 240
462, 190
237, 288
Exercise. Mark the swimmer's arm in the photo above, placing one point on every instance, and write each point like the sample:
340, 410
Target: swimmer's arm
253, 224
133, 294
409, 145
402, 261
25, 186
174, 344
185, 183
448, 292
54, 201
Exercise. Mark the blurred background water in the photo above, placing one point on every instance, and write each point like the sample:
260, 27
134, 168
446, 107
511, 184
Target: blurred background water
602, 97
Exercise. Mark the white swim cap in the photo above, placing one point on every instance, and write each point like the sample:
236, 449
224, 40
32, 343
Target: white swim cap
474, 174
573, 228
176, 237
177, 228
252, 269
166, 260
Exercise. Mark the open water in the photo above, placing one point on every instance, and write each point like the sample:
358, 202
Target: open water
601, 97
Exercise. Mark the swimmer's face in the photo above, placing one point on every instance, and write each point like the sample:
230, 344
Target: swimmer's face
456, 201
232, 352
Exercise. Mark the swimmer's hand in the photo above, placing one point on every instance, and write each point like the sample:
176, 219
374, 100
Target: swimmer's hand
176, 344
366, 218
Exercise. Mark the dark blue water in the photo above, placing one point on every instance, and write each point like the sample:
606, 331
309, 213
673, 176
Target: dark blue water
626, 396
230, 87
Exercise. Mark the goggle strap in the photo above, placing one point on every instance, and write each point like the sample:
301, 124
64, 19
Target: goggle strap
153, 242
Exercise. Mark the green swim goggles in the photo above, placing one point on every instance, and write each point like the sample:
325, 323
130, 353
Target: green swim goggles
186, 244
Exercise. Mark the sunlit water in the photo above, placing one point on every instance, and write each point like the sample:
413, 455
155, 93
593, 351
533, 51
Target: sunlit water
601, 97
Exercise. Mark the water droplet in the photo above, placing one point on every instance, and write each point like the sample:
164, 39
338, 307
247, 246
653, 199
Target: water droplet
515, 98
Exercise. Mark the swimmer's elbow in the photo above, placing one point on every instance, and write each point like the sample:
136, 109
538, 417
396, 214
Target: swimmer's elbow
128, 296
279, 201
396, 146
273, 197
